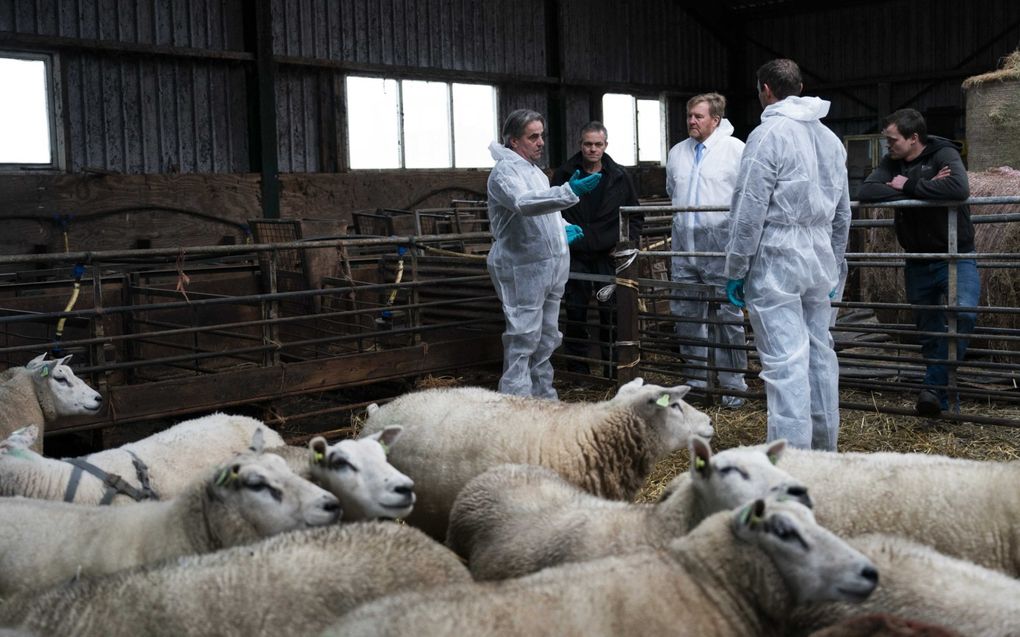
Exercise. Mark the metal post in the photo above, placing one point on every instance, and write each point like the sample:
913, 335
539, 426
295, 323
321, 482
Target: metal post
628, 312
270, 312
952, 300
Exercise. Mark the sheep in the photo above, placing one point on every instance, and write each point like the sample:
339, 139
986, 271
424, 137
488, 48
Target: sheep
173, 458
607, 448
357, 473
43, 391
737, 573
920, 583
252, 496
297, 583
963, 508
517, 519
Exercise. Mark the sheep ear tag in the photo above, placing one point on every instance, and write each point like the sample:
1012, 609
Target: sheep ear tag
318, 457
699, 463
228, 474
663, 400
44, 371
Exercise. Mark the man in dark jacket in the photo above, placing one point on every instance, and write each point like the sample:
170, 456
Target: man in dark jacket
598, 214
922, 166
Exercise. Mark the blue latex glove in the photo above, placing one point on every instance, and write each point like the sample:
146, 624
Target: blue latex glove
582, 186
832, 294
735, 291
573, 233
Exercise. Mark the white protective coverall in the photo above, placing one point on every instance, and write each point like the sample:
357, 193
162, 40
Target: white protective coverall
705, 183
529, 265
789, 221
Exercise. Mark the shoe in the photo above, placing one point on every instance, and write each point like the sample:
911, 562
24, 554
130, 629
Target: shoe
732, 402
928, 404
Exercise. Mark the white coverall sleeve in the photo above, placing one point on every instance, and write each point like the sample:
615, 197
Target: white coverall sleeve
751, 196
671, 168
841, 224
513, 192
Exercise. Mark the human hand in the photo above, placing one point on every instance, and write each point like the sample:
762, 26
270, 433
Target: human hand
943, 173
735, 291
832, 293
584, 185
573, 233
897, 182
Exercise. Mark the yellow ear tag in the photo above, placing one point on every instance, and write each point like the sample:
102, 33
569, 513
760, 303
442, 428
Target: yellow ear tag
317, 457
663, 400
699, 463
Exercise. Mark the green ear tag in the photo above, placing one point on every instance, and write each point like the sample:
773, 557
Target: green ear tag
385, 449
699, 463
745, 514
663, 400
317, 457
45, 371
223, 477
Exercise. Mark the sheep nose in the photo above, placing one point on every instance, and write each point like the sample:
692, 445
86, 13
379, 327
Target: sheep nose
800, 493
404, 489
870, 573
331, 505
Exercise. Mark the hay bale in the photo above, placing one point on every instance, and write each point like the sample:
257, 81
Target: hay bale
993, 117
999, 287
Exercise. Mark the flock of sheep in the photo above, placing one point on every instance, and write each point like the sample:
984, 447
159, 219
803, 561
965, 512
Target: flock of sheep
519, 521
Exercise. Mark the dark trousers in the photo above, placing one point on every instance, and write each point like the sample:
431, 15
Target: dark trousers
577, 298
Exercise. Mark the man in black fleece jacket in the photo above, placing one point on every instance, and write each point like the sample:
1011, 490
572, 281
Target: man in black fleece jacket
598, 214
922, 166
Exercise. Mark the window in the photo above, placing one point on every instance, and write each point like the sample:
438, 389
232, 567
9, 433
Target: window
636, 131
419, 124
27, 120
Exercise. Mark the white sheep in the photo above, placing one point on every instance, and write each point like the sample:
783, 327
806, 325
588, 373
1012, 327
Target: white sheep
607, 448
43, 391
173, 459
254, 495
357, 473
963, 508
738, 573
517, 519
920, 583
296, 584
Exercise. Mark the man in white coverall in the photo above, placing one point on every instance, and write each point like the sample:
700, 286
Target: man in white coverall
701, 171
529, 262
789, 221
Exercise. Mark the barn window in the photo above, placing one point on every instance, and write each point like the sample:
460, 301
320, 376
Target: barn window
419, 124
635, 125
27, 114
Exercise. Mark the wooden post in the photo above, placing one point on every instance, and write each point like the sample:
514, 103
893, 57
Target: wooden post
628, 308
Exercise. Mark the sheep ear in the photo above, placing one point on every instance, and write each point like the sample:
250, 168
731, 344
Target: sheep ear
631, 387
36, 362
371, 409
319, 447
775, 450
701, 455
19, 440
227, 475
63, 360
388, 436
679, 391
258, 441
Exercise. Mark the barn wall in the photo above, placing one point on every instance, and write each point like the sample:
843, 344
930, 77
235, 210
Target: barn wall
154, 91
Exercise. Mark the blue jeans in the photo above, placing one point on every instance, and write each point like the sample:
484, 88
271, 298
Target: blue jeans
927, 283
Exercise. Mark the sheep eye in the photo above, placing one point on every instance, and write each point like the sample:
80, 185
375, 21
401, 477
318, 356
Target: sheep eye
787, 533
338, 463
258, 484
62, 380
732, 468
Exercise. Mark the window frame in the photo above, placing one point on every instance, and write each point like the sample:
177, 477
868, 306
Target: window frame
401, 139
663, 145
54, 107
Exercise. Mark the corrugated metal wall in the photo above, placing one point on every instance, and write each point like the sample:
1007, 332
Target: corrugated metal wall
188, 109
140, 114
889, 41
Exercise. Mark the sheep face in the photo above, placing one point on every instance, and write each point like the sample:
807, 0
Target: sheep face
20, 441
736, 476
70, 395
270, 497
357, 472
665, 411
815, 564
